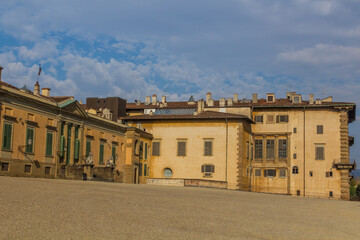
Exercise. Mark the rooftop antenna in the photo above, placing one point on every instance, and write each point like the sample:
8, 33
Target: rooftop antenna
37, 80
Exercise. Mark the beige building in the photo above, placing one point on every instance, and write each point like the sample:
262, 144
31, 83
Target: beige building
54, 137
293, 146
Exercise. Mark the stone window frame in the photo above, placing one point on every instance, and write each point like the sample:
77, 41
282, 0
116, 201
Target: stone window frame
156, 145
211, 142
282, 172
257, 172
319, 151
179, 142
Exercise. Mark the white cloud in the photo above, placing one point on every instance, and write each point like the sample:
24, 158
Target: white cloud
41, 50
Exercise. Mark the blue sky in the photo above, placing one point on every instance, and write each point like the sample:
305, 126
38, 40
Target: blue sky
137, 48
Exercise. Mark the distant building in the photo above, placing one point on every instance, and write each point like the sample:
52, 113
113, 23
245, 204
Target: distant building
287, 145
110, 108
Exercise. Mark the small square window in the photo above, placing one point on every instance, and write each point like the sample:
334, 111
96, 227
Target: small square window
311, 173
329, 174
4, 167
270, 98
259, 119
47, 170
27, 169
257, 172
294, 156
282, 172
295, 170
331, 194
294, 130
319, 129
298, 192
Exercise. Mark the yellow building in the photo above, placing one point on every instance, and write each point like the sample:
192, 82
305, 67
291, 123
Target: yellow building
54, 137
293, 147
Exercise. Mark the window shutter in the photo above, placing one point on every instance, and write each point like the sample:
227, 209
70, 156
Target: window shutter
49, 140
202, 168
277, 118
145, 154
181, 148
101, 154
212, 168
7, 136
113, 153
29, 136
62, 146
88, 148
76, 149
208, 148
265, 173
145, 166
156, 149
140, 169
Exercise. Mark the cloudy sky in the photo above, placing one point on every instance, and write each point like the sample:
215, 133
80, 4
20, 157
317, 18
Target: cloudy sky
179, 48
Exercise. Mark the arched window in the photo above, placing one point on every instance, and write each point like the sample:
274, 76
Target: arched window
136, 147
168, 172
295, 170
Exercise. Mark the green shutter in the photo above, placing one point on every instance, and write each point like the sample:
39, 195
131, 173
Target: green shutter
146, 148
49, 142
29, 137
101, 154
145, 166
7, 136
140, 169
62, 146
88, 148
76, 149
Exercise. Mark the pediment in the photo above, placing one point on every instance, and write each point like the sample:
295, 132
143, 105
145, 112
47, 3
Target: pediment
73, 107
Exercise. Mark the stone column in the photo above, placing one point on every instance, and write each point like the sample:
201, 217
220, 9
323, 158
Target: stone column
66, 126
72, 145
264, 150
81, 138
276, 150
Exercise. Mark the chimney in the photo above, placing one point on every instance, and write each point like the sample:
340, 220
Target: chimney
235, 98
200, 106
208, 98
45, 92
163, 99
222, 102
1, 68
311, 98
37, 89
138, 102
153, 101
147, 100
230, 101
254, 98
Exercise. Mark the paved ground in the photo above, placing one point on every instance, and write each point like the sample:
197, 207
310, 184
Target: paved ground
61, 209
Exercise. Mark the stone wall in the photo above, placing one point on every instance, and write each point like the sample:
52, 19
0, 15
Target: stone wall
16, 168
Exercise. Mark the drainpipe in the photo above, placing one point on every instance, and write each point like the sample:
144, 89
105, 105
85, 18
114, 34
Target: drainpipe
304, 151
226, 155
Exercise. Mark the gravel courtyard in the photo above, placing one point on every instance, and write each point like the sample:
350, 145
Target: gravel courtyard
62, 209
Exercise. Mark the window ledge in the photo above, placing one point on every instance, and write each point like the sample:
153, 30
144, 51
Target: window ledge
29, 153
9, 118
6, 150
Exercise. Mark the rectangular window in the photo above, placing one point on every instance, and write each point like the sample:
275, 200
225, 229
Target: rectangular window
141, 150
270, 173
259, 119
258, 148
311, 173
282, 148
258, 172
270, 98
47, 170
294, 156
282, 172
7, 134
208, 148
270, 148
156, 148
113, 153
282, 118
4, 166
49, 144
329, 174
145, 168
319, 129
294, 130
247, 150
319, 153
145, 151
101, 154
88, 148
62, 146
29, 144
181, 151
140, 169
207, 168
27, 169
270, 119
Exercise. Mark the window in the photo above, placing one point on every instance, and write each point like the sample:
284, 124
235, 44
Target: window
296, 99
208, 148
295, 170
258, 119
4, 166
270, 98
319, 153
311, 173
7, 133
29, 144
270, 148
319, 129
27, 169
47, 170
294, 130
141, 150
257, 172
140, 169
282, 148
282, 118
88, 148
329, 174
282, 172
146, 151
270, 173
258, 148
247, 150
181, 151
207, 169
331, 194
168, 172
101, 154
113, 153
145, 169
49, 144
156, 149
298, 192
294, 156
